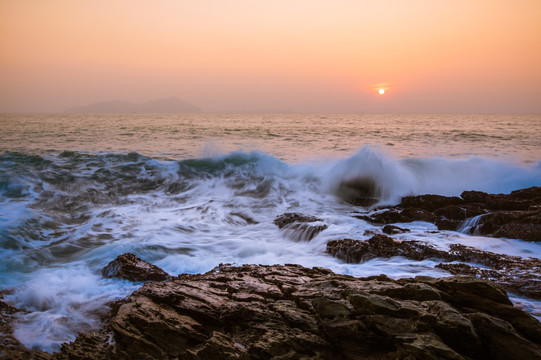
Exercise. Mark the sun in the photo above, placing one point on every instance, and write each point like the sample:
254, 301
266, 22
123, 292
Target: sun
381, 91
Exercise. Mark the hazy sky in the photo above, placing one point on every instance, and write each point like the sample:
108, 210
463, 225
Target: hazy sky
282, 55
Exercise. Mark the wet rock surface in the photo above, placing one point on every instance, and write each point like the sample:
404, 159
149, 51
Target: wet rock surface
513, 273
129, 267
516, 215
292, 312
299, 226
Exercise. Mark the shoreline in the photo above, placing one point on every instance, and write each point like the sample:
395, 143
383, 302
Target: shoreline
292, 312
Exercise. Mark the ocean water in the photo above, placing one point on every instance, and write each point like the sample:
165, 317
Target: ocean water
188, 192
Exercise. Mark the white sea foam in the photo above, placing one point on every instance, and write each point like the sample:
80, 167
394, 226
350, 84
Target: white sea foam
62, 302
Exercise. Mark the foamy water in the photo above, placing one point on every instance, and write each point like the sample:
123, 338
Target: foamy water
81, 190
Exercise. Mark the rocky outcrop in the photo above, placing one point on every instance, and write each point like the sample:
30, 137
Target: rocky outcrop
300, 227
515, 215
513, 273
130, 267
292, 312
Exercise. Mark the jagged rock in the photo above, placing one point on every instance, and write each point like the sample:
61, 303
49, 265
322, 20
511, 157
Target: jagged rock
292, 312
299, 226
130, 267
516, 215
515, 274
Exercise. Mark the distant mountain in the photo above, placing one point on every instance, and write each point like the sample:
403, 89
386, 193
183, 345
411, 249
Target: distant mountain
170, 105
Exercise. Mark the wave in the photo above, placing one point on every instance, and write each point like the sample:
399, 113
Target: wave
367, 178
370, 177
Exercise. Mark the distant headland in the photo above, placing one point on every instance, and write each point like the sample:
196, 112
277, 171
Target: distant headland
165, 105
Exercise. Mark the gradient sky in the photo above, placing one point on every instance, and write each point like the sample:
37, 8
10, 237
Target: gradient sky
466, 56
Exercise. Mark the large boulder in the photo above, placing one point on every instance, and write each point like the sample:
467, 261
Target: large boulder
129, 267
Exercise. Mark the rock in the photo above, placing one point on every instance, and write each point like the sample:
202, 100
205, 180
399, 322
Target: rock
507, 343
290, 218
430, 202
393, 230
292, 312
525, 225
299, 226
461, 213
130, 267
513, 273
356, 251
528, 232
516, 215
87, 346
475, 196
396, 215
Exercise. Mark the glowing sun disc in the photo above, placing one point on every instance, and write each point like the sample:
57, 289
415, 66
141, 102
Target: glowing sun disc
381, 91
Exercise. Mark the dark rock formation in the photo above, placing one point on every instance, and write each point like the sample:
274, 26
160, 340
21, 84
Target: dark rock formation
291, 312
393, 230
130, 267
299, 226
430, 202
515, 215
356, 251
513, 273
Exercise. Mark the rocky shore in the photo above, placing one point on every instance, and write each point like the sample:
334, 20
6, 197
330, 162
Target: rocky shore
513, 273
293, 312
516, 215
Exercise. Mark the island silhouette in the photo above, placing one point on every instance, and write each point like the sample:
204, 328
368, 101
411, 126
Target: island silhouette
171, 105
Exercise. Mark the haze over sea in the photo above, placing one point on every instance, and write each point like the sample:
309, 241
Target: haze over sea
190, 191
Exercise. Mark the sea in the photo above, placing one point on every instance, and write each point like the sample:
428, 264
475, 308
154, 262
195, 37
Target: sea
188, 192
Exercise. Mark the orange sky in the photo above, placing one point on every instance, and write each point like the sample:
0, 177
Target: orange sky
481, 56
